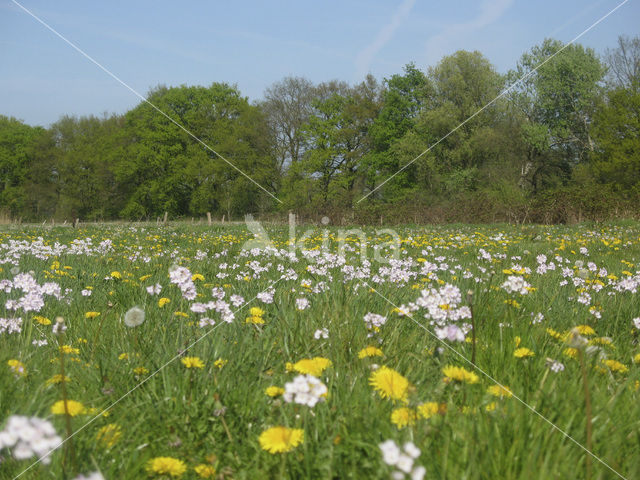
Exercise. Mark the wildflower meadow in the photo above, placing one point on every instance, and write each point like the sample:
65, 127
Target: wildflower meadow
180, 351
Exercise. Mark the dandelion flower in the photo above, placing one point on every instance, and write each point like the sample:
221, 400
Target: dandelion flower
163, 301
58, 378
281, 439
523, 352
312, 366
401, 417
616, 366
74, 408
221, 362
91, 314
428, 409
585, 330
390, 384
256, 312
274, 391
134, 317
109, 435
256, 320
499, 391
42, 320
68, 349
205, 471
459, 374
370, 352
166, 466
192, 362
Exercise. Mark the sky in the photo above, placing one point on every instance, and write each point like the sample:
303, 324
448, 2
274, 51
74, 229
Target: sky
253, 44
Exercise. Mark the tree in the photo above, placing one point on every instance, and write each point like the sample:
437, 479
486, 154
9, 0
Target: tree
555, 101
617, 134
166, 169
16, 155
288, 105
624, 63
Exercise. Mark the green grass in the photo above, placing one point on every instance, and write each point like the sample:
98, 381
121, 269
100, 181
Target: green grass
217, 414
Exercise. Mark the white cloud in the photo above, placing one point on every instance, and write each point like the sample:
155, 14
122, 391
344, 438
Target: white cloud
449, 40
366, 56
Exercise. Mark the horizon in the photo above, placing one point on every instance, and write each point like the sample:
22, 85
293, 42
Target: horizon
44, 79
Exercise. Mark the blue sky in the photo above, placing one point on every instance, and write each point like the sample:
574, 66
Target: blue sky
255, 43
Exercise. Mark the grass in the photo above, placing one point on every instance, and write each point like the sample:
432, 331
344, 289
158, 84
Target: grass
215, 415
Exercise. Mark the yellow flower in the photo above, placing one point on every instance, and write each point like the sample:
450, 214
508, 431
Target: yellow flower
205, 471
636, 359
255, 320
256, 311
91, 314
403, 416
390, 384
17, 367
585, 330
109, 435
57, 379
616, 366
166, 466
370, 352
181, 314
42, 320
428, 409
274, 391
69, 349
491, 407
163, 301
116, 274
281, 439
197, 276
499, 391
192, 362
123, 356
144, 277
459, 374
517, 341
140, 371
523, 353
571, 352
221, 362
312, 366
74, 408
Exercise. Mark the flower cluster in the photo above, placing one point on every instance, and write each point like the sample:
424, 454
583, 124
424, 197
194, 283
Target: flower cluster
402, 459
305, 390
181, 276
27, 437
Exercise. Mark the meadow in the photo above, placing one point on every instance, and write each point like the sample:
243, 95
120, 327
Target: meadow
455, 352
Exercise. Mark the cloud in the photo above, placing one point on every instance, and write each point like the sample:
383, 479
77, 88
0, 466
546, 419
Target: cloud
366, 56
442, 43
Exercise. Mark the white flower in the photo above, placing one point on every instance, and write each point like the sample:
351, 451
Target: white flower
636, 322
302, 303
305, 390
323, 333
86, 292
390, 452
411, 450
404, 463
418, 473
134, 317
91, 476
29, 437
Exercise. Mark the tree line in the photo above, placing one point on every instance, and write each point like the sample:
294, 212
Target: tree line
556, 139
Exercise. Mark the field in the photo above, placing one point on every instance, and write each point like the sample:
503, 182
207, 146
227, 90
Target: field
178, 351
